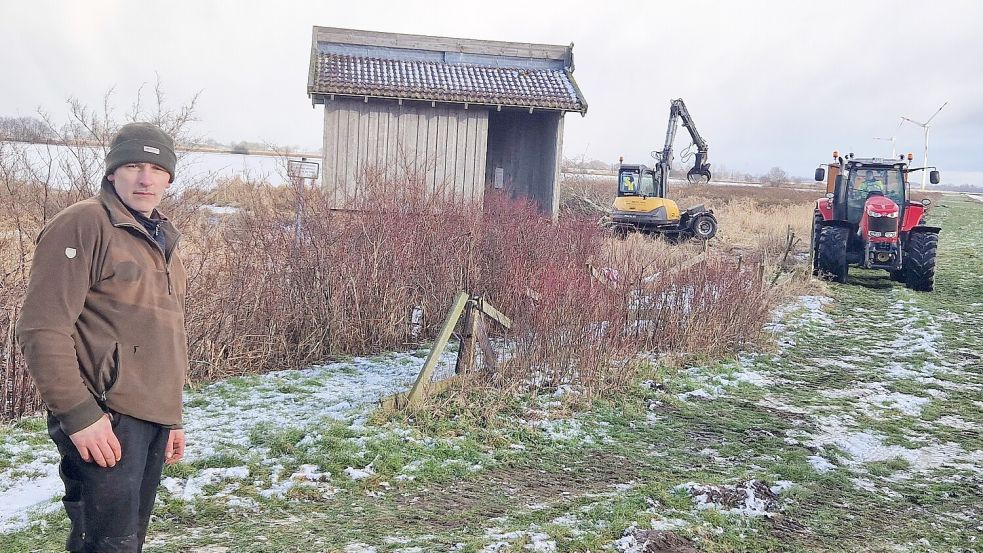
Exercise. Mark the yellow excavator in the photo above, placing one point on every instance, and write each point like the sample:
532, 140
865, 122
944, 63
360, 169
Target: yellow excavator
642, 206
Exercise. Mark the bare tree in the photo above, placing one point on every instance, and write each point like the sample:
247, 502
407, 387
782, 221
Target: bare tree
776, 177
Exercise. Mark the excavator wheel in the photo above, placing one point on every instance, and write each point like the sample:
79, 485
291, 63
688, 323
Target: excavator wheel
703, 227
832, 253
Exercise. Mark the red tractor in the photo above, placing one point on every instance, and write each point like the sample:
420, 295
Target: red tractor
867, 219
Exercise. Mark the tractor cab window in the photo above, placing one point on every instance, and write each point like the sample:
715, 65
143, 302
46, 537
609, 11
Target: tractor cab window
865, 182
628, 183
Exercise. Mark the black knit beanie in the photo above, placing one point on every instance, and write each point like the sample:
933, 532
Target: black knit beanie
141, 142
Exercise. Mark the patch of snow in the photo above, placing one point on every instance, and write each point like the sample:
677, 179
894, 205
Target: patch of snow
957, 422
360, 474
193, 487
820, 464
699, 393
563, 430
752, 499
310, 473
359, 548
668, 524
866, 447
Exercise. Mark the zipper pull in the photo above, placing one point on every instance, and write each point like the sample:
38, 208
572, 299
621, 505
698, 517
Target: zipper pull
156, 230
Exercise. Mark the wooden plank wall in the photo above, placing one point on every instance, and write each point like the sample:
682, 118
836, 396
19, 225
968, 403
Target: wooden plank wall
440, 149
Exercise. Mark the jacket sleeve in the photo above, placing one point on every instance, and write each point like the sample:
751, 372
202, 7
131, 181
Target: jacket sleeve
63, 270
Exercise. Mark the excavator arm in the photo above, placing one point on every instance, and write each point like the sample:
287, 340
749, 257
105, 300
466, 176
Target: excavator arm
700, 172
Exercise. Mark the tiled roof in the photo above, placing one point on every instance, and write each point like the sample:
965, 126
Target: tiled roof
445, 82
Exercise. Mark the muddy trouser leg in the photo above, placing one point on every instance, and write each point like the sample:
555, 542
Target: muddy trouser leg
109, 508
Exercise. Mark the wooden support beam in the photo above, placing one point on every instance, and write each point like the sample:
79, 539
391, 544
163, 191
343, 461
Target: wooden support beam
488, 354
465, 354
494, 314
426, 373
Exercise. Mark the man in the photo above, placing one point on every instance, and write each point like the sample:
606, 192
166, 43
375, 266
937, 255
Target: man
872, 183
629, 183
102, 330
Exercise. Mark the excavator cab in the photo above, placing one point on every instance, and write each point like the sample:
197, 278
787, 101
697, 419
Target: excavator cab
638, 180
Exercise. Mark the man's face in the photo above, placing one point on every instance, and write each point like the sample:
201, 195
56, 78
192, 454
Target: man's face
141, 186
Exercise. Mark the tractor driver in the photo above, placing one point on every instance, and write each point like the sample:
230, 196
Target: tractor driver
872, 183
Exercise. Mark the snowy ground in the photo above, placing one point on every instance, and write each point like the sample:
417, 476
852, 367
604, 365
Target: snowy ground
219, 420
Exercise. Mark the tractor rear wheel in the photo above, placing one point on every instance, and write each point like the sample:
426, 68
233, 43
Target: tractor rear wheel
817, 219
832, 253
920, 263
703, 227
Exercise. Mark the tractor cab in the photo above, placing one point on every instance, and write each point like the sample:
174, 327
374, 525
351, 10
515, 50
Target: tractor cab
864, 181
639, 180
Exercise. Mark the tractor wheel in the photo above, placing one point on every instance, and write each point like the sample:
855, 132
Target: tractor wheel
703, 227
920, 263
817, 218
832, 253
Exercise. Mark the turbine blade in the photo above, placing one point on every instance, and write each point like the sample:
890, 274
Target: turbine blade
936, 112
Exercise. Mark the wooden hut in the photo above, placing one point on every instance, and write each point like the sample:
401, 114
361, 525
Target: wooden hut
458, 117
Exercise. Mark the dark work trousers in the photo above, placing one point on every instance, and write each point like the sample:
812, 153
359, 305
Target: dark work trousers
110, 507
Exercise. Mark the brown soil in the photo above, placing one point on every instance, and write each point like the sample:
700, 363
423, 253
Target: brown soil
495, 493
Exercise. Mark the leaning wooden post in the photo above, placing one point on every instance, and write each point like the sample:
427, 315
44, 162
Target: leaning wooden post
438, 348
465, 355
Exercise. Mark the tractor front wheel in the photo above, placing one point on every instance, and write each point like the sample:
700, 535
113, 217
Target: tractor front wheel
832, 253
817, 220
920, 264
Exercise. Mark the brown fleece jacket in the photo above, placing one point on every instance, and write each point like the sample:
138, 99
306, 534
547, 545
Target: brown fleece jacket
103, 319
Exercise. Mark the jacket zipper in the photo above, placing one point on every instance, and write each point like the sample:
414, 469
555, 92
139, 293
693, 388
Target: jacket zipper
167, 266
115, 375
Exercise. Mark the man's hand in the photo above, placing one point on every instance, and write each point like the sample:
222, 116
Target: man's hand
174, 451
97, 442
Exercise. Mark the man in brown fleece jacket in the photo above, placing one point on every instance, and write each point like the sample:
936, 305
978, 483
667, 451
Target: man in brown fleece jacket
102, 330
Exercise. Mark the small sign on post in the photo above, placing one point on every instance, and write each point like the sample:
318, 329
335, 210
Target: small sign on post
302, 169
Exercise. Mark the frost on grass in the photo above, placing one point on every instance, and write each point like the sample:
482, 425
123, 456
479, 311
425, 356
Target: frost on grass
751, 499
360, 474
194, 486
501, 540
713, 386
865, 446
820, 464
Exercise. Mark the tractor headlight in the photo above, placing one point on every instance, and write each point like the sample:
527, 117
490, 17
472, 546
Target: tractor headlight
874, 233
890, 235
873, 213
893, 215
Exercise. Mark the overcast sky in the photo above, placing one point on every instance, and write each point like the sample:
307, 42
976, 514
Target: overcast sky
767, 82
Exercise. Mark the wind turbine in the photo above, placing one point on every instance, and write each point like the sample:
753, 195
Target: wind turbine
925, 126
894, 152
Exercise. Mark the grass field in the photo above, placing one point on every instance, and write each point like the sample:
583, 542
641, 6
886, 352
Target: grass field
856, 428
